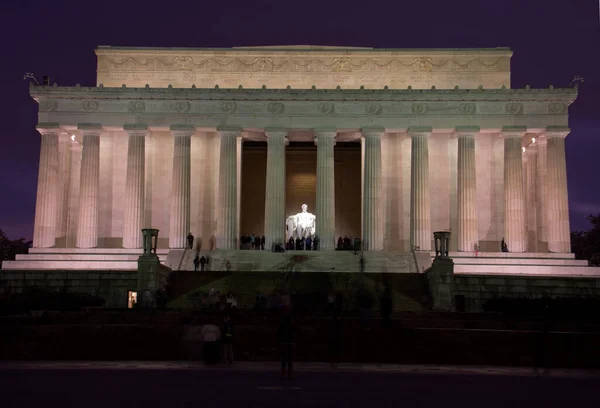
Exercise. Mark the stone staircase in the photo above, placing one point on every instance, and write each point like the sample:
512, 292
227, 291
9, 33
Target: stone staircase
303, 261
102, 259
521, 264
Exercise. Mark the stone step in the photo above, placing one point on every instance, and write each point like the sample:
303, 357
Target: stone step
519, 261
82, 257
528, 270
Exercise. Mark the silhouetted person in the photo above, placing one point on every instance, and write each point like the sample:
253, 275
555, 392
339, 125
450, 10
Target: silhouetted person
190, 240
196, 262
340, 243
202, 263
262, 243
210, 335
503, 246
227, 339
286, 334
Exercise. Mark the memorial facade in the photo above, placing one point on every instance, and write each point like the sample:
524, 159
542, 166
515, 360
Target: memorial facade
385, 145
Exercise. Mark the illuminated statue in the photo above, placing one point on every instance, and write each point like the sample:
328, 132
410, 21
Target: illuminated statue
301, 225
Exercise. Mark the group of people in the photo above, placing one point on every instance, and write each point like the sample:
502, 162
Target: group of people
218, 343
303, 244
252, 242
348, 244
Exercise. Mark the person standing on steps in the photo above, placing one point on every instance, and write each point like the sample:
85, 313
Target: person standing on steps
202, 263
190, 240
196, 262
285, 335
227, 340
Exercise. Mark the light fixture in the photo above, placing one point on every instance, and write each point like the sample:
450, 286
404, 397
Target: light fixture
532, 140
73, 138
523, 150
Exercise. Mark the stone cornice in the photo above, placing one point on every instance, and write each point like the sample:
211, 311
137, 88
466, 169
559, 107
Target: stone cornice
41, 93
303, 109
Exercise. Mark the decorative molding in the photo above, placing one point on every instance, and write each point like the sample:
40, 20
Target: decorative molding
276, 108
137, 107
513, 108
557, 108
48, 105
90, 106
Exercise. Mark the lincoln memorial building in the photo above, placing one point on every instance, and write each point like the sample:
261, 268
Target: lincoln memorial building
384, 145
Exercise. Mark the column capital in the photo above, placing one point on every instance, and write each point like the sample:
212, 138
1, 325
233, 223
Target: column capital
90, 128
136, 129
229, 131
419, 131
513, 131
325, 132
276, 133
556, 131
372, 132
466, 131
47, 127
182, 130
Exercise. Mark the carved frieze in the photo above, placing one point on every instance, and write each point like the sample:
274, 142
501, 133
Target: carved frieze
137, 106
467, 108
514, 108
228, 107
373, 108
183, 106
48, 105
326, 107
557, 108
419, 108
90, 106
276, 108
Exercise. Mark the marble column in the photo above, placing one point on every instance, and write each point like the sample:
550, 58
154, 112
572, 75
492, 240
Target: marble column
542, 216
227, 222
531, 206
179, 225
372, 204
325, 211
559, 240
74, 192
62, 195
135, 182
420, 207
44, 233
514, 197
87, 226
468, 235
275, 188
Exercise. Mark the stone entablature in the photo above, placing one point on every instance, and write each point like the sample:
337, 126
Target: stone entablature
306, 109
303, 67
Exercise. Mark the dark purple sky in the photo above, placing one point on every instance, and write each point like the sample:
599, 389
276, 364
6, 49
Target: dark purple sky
553, 40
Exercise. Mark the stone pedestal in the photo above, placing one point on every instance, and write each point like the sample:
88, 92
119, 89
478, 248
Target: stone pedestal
420, 210
558, 233
325, 209
44, 234
466, 191
151, 275
134, 186
514, 201
441, 284
87, 227
372, 200
179, 225
275, 188
227, 219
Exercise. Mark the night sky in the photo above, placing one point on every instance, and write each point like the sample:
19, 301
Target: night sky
552, 40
